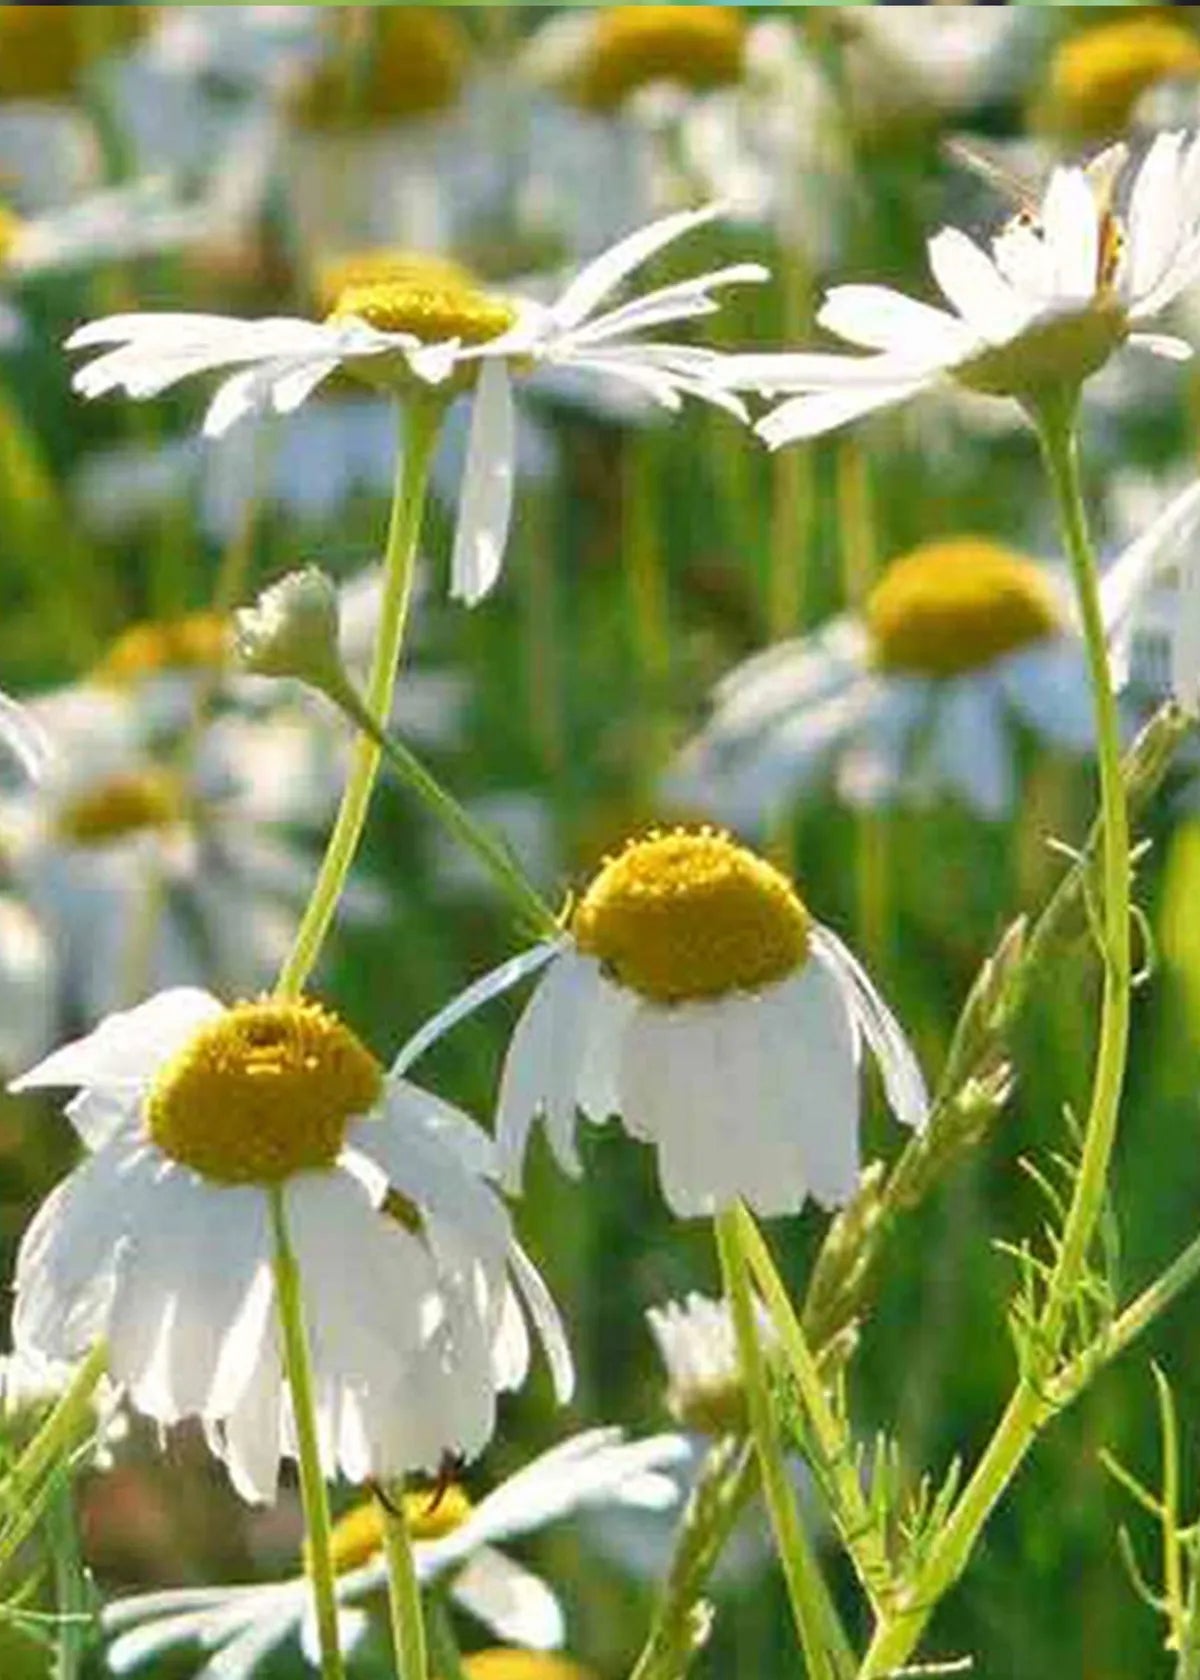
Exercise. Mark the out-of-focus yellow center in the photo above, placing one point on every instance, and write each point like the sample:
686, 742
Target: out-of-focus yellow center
1097, 77
957, 605
264, 1091
398, 63
44, 50
197, 642
357, 1537
632, 46
685, 915
10, 228
502, 1663
430, 297
121, 806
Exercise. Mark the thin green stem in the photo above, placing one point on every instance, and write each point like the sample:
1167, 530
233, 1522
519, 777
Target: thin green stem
795, 1553
1029, 1407
290, 1305
443, 1646
58, 1434
495, 857
404, 1592
422, 423
1060, 451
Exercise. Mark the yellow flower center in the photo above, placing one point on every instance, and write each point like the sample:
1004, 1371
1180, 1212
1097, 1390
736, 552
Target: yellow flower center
264, 1091
404, 62
1097, 77
45, 50
957, 605
357, 1537
431, 297
121, 806
682, 916
197, 642
10, 228
504, 1664
633, 46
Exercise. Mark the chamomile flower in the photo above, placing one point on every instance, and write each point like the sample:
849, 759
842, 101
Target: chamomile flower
697, 1344
453, 1542
693, 994
194, 1115
427, 336
1042, 312
1097, 75
912, 699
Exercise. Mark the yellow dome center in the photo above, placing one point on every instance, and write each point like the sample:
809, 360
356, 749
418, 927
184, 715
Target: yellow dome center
429, 297
264, 1091
504, 1664
408, 62
1097, 77
197, 642
121, 806
632, 46
682, 916
44, 50
357, 1537
957, 605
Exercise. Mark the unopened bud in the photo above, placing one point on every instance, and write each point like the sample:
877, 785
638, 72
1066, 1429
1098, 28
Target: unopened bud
292, 631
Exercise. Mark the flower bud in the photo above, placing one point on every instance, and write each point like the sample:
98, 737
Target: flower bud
292, 631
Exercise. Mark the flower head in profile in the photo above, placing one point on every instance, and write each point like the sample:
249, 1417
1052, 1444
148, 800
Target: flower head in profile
1097, 75
914, 698
416, 333
604, 57
1043, 310
697, 1344
454, 1542
695, 995
196, 1116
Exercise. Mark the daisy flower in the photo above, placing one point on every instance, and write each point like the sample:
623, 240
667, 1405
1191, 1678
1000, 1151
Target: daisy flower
160, 1244
694, 995
697, 1344
146, 869
454, 1543
1056, 296
1098, 75
437, 336
912, 699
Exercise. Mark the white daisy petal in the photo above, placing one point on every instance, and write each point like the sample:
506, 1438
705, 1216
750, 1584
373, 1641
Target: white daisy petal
485, 504
810, 416
602, 276
974, 285
515, 1604
881, 319
903, 1080
127, 1048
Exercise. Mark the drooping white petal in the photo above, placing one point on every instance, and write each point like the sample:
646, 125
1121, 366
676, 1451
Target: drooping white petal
969, 752
807, 1041
1126, 581
881, 319
24, 737
485, 502
542, 1065
127, 1048
546, 1322
493, 984
903, 1081
1154, 215
1047, 686
514, 1603
812, 415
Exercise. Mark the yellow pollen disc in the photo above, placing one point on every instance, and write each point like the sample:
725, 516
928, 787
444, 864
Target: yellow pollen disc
119, 807
957, 605
44, 50
632, 46
1097, 77
264, 1091
401, 291
197, 642
504, 1664
357, 1537
10, 228
687, 915
402, 62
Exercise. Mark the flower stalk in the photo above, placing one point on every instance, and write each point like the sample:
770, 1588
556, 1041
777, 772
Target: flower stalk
290, 1305
404, 1592
423, 416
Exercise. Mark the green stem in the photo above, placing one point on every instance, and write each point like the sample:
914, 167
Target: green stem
312, 1482
491, 852
423, 420
58, 1433
833, 1448
1061, 455
404, 1592
1029, 1406
809, 1606
443, 1646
